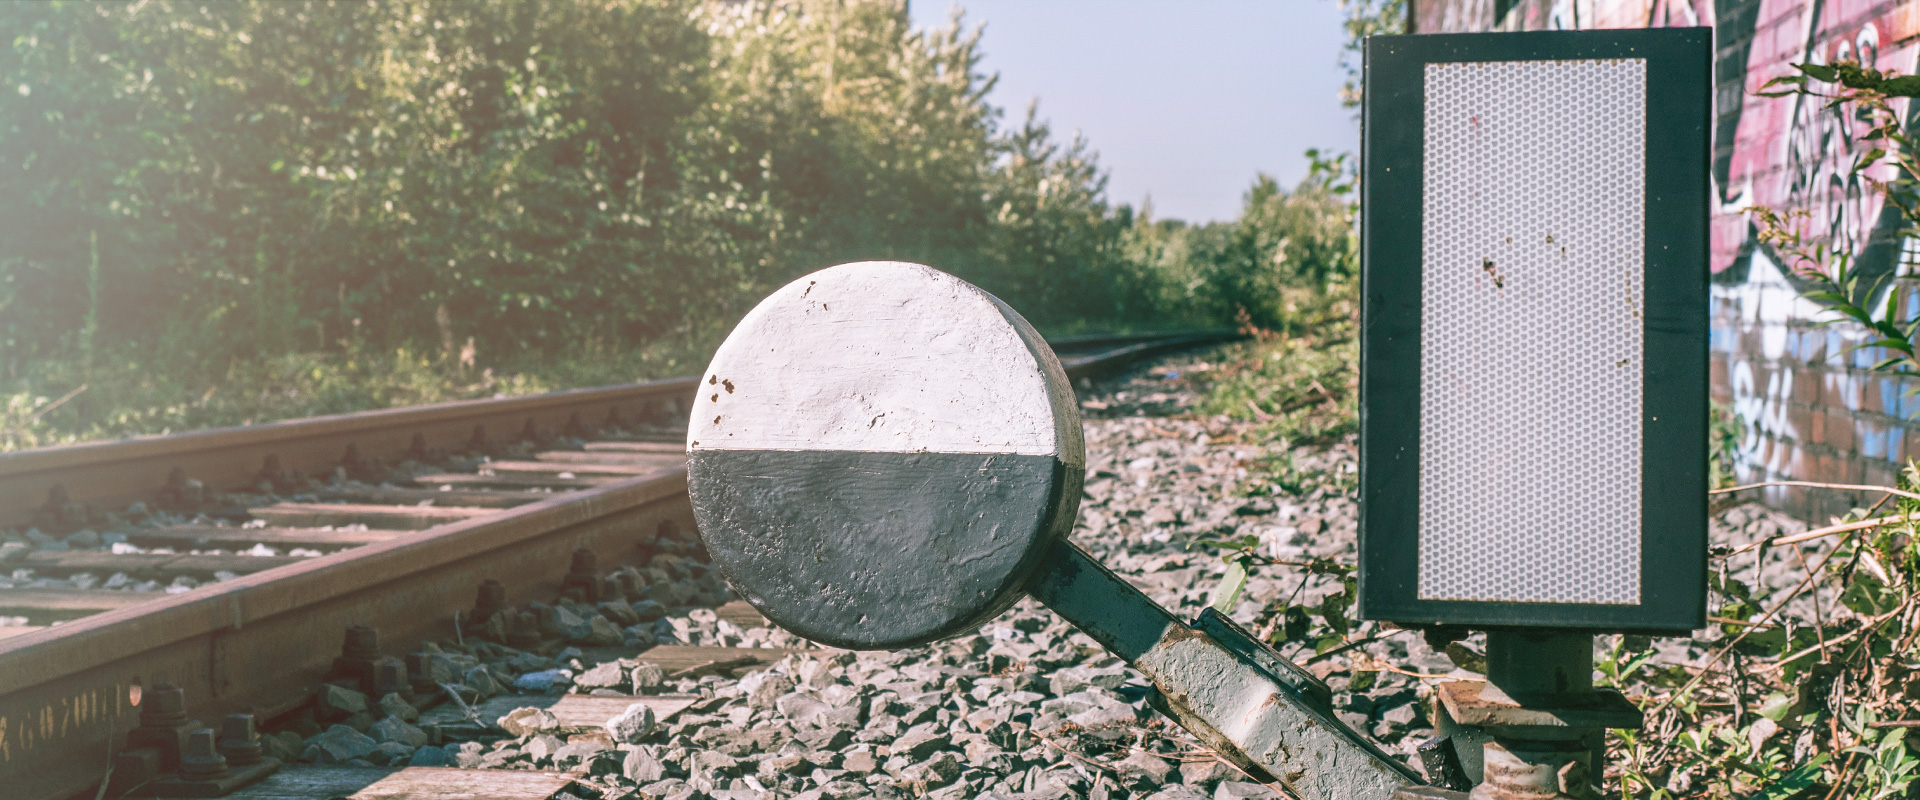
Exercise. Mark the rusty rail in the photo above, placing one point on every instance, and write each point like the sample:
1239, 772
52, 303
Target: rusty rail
120, 472
261, 644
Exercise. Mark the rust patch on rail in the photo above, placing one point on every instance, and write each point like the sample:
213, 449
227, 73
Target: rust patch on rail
61, 718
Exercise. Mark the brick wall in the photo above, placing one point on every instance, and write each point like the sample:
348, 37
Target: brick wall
1811, 410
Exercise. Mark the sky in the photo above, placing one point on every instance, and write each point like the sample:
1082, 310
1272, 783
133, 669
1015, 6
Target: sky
1185, 100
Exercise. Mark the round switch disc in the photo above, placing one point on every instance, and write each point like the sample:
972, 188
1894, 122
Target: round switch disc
881, 454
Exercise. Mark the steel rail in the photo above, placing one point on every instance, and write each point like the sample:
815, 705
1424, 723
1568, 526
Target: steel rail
262, 643
119, 472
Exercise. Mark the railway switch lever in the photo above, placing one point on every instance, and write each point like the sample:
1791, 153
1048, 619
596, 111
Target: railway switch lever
883, 455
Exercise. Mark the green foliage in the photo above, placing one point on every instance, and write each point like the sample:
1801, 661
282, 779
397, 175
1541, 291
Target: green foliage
1887, 765
198, 191
1319, 625
1824, 263
1366, 18
545, 172
1302, 388
1850, 671
1849, 75
1724, 431
1273, 267
1792, 702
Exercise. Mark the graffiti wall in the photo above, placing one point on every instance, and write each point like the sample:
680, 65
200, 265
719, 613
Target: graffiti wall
1810, 407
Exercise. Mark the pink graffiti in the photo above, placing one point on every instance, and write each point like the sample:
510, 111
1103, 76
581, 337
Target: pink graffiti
1793, 152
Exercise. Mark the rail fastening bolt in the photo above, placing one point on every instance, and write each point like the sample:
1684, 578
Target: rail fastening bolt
623, 586
240, 740
165, 706
418, 676
525, 632
390, 677
202, 759
363, 641
581, 583
491, 597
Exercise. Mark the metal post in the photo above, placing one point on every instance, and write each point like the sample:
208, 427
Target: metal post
1539, 722
1541, 666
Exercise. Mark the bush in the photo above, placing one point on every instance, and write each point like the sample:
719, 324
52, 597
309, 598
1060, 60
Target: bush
199, 191
1286, 254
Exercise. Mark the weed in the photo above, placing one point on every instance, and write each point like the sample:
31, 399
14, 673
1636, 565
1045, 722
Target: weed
1302, 388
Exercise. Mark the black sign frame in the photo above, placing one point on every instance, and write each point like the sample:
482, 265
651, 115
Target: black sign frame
1673, 565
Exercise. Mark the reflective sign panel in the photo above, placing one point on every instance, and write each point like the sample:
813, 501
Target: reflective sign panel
1531, 283
1534, 278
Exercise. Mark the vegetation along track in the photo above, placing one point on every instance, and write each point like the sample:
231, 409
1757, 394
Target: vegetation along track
238, 557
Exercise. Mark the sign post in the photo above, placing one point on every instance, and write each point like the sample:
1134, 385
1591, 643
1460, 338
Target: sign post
1534, 370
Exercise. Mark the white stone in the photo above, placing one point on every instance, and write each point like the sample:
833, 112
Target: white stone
528, 721
631, 725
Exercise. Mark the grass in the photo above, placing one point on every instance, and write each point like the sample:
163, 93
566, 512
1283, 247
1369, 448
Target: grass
1301, 383
1300, 386
1805, 688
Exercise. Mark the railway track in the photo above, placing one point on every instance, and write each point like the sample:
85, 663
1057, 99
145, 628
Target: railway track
230, 565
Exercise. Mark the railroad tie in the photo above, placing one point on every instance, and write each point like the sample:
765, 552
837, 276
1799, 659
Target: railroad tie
543, 480
314, 515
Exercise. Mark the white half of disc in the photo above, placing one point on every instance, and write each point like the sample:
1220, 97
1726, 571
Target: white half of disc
886, 357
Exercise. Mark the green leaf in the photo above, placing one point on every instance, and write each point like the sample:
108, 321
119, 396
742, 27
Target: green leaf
1819, 72
1733, 588
1895, 737
1247, 542
1295, 624
1333, 611
1634, 664
1867, 596
1793, 782
1902, 86
1855, 76
1776, 706
1227, 592
1767, 642
1856, 314
1891, 344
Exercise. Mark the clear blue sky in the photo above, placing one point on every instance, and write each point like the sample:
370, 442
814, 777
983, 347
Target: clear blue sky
1185, 100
